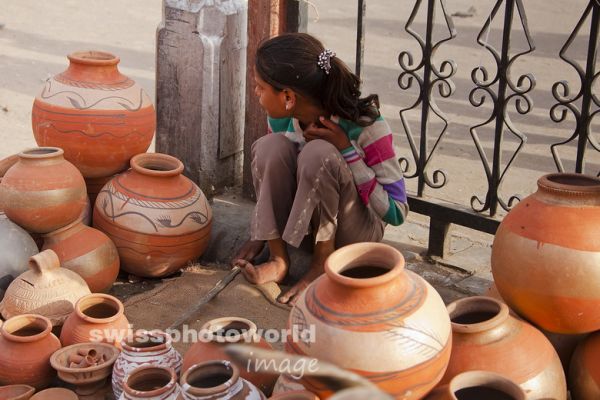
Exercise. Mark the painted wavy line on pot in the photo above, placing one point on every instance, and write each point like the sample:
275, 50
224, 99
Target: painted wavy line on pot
103, 133
101, 113
124, 84
413, 298
114, 216
167, 203
46, 94
195, 216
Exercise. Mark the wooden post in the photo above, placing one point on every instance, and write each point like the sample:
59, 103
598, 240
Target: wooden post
200, 87
266, 18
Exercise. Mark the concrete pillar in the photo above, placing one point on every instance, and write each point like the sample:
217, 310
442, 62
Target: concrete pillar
201, 88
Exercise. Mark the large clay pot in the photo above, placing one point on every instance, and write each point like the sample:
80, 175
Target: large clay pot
584, 372
486, 337
295, 395
96, 318
16, 246
86, 251
150, 382
218, 334
42, 191
145, 347
217, 380
481, 385
26, 344
158, 218
55, 394
45, 289
545, 255
100, 117
16, 392
374, 318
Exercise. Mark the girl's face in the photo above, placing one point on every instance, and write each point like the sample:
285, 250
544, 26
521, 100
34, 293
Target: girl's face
270, 99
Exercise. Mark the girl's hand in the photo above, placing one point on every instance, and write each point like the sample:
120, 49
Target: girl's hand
331, 132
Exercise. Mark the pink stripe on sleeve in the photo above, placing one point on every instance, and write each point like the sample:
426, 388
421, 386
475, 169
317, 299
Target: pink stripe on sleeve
380, 150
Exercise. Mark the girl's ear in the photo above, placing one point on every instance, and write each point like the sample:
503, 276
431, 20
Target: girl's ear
289, 98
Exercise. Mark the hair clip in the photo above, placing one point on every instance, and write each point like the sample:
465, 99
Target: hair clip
325, 60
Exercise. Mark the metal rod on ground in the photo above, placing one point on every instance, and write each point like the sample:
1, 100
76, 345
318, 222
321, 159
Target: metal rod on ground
212, 293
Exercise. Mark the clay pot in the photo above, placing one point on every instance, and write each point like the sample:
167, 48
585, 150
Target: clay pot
223, 331
150, 382
26, 345
295, 395
584, 372
86, 251
55, 394
16, 246
85, 365
42, 191
217, 380
6, 163
158, 218
487, 338
96, 318
374, 318
545, 255
100, 117
45, 289
482, 385
16, 392
145, 347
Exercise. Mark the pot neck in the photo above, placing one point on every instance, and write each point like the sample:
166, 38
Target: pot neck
42, 156
44, 262
477, 382
156, 165
96, 67
65, 231
230, 330
211, 378
26, 328
147, 342
477, 314
150, 382
84, 308
570, 189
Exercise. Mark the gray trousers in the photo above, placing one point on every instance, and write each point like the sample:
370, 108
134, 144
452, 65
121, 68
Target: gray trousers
311, 192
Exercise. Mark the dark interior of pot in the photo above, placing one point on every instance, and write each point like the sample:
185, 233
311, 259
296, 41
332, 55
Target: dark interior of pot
364, 271
100, 310
153, 164
233, 328
210, 375
573, 180
28, 330
149, 380
468, 313
482, 392
40, 151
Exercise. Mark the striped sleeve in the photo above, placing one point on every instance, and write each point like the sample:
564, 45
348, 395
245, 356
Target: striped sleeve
377, 173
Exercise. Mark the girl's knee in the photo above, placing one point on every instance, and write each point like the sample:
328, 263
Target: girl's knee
272, 147
316, 154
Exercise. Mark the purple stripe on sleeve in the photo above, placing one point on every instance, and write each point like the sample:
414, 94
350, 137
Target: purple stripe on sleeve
396, 190
380, 150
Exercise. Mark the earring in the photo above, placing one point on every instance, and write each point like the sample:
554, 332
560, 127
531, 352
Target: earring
288, 106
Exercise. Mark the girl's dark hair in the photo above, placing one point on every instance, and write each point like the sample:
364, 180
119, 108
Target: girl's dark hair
290, 61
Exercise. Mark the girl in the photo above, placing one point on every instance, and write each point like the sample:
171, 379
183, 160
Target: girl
327, 167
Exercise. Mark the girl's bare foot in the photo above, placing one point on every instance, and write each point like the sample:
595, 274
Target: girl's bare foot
248, 252
273, 270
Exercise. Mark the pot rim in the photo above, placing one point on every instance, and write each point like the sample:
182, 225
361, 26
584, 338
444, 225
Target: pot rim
143, 162
40, 153
125, 343
212, 326
223, 387
487, 379
477, 304
27, 390
61, 368
33, 318
95, 296
150, 393
582, 184
340, 261
93, 57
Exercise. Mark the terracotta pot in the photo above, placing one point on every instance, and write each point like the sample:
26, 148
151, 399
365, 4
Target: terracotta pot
86, 251
487, 338
150, 382
6, 163
16, 392
584, 372
26, 345
145, 347
45, 289
482, 385
55, 394
85, 365
16, 246
223, 331
295, 395
42, 191
545, 255
374, 318
100, 117
217, 380
158, 218
96, 318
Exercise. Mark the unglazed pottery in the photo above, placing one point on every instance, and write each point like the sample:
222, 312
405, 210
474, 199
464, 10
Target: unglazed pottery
217, 380
487, 338
5, 165
150, 382
45, 289
145, 347
96, 317
295, 395
16, 246
16, 392
218, 334
374, 318
26, 344
55, 394
546, 255
584, 372
85, 365
42, 191
100, 117
158, 218
481, 385
86, 251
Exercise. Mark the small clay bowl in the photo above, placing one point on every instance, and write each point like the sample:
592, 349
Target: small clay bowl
55, 394
16, 392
